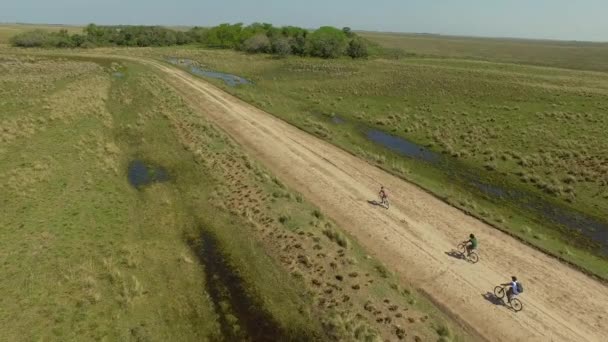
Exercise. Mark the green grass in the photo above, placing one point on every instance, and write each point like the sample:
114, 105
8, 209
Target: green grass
561, 54
87, 256
535, 130
91, 257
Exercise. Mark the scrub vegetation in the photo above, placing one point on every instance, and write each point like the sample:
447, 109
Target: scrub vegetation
325, 42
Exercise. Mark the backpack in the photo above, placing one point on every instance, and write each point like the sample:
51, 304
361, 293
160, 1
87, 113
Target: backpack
520, 287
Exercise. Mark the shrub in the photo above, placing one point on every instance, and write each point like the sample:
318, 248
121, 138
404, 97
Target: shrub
336, 237
384, 273
36, 38
357, 48
281, 47
443, 330
257, 44
317, 213
327, 42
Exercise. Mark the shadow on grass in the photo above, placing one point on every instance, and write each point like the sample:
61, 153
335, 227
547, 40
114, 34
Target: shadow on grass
242, 316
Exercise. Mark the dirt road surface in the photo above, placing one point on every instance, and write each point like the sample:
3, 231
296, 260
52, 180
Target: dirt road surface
415, 235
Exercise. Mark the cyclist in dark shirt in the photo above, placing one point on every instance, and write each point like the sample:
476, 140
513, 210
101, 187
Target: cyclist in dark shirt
471, 243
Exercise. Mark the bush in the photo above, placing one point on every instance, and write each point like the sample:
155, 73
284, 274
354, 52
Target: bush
336, 237
383, 271
36, 38
224, 36
78, 40
257, 44
317, 213
299, 45
281, 47
357, 48
443, 330
327, 42
39, 38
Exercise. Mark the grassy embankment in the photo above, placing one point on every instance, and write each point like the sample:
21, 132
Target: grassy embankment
85, 255
534, 130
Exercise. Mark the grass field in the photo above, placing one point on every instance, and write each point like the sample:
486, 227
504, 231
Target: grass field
536, 131
222, 250
561, 54
9, 30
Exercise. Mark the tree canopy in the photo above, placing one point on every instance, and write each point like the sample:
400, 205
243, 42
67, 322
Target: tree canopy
325, 42
328, 42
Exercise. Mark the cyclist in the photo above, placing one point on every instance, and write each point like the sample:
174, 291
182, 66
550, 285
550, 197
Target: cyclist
513, 288
383, 195
471, 244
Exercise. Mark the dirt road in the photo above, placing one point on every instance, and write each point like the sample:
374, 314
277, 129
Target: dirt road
414, 236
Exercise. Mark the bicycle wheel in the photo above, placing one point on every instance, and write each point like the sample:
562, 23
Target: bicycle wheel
516, 305
473, 257
499, 291
462, 248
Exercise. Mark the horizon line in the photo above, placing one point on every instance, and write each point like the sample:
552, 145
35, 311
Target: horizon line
446, 35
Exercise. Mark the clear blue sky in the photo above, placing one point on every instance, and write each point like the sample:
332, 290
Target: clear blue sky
555, 19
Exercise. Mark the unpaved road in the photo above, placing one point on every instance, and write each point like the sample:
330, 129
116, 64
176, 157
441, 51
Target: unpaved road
412, 238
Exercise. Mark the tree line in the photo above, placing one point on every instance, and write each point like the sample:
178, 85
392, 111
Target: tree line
325, 42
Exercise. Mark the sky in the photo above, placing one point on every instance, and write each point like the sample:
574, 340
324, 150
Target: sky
548, 19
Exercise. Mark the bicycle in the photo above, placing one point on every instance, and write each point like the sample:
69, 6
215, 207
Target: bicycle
515, 303
471, 256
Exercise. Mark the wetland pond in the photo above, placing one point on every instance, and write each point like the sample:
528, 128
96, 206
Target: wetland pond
573, 221
194, 68
141, 174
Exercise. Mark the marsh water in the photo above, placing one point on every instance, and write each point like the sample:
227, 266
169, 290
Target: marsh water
141, 174
229, 79
575, 222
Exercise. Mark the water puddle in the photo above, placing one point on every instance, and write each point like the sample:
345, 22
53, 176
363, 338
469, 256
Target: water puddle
231, 298
402, 146
333, 118
118, 74
337, 120
141, 174
574, 221
231, 80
